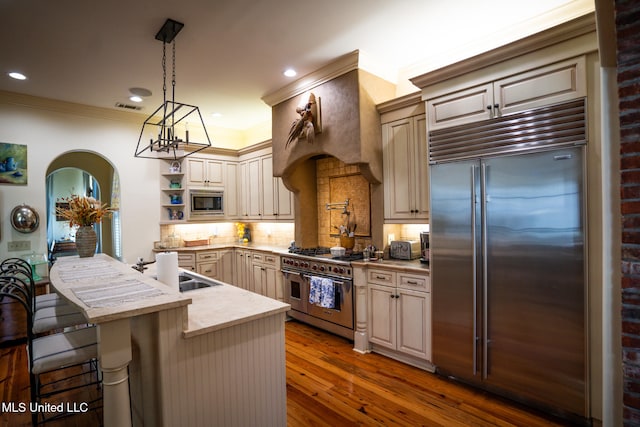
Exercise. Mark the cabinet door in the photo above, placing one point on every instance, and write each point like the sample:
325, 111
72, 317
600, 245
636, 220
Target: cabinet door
257, 282
406, 184
240, 271
559, 82
243, 185
420, 181
269, 282
382, 316
269, 196
284, 201
196, 171
232, 190
225, 266
460, 107
252, 188
398, 151
413, 323
215, 173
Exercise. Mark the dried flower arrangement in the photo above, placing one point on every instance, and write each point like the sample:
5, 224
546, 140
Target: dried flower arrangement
83, 211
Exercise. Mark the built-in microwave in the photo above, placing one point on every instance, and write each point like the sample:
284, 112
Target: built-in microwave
206, 203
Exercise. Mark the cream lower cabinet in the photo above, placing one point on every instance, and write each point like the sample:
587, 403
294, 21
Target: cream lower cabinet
265, 274
187, 260
243, 271
399, 312
217, 264
207, 263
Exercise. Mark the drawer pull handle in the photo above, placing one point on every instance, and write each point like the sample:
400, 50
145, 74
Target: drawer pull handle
412, 282
381, 277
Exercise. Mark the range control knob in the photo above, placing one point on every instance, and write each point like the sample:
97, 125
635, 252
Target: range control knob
322, 268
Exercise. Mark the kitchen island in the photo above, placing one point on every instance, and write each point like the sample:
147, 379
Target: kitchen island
212, 356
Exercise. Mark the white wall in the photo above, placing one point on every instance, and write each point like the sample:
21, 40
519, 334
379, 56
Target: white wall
50, 129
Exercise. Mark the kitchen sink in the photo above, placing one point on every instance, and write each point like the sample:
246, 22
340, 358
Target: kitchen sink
188, 282
190, 285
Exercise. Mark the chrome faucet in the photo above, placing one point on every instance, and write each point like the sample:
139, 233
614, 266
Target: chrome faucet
140, 265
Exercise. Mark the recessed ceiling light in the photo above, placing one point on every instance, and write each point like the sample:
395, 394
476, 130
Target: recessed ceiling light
139, 91
17, 76
135, 98
290, 72
216, 114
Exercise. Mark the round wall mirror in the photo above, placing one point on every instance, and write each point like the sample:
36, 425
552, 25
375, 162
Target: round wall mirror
25, 219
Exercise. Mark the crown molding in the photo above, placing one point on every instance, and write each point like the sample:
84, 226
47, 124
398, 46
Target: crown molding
65, 107
571, 29
340, 66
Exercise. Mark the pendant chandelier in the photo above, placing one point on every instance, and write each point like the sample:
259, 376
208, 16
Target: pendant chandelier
165, 133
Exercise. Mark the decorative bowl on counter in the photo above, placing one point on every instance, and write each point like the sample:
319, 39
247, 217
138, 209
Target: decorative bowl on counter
337, 251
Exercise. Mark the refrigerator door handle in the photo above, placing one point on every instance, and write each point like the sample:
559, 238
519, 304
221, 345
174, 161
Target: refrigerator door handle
474, 258
485, 327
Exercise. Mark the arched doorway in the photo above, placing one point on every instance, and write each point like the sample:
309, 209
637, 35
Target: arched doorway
86, 172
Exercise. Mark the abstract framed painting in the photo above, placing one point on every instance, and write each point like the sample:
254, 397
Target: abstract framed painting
13, 164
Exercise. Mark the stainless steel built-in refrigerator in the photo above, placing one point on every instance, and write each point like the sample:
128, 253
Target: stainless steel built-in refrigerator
508, 257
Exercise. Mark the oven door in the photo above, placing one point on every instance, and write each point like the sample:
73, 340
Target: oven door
342, 311
296, 290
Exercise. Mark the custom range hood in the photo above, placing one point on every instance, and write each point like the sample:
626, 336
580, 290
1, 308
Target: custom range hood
346, 126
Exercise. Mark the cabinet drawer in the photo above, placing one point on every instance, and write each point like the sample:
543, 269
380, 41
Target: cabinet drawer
187, 261
207, 256
270, 259
209, 269
382, 277
257, 257
414, 281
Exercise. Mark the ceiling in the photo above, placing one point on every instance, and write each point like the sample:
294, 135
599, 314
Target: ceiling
231, 53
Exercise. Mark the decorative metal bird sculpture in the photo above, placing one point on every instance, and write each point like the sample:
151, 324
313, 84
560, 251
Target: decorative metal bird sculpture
304, 125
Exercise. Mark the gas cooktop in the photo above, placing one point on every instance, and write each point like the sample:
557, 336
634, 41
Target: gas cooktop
325, 253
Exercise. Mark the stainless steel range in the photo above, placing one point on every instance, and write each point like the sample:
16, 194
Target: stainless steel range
304, 270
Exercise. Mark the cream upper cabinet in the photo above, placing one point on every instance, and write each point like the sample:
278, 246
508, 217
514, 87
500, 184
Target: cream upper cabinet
263, 195
203, 172
406, 180
558, 82
232, 190
277, 200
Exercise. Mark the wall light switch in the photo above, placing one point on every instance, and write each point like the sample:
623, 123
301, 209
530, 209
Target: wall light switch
19, 245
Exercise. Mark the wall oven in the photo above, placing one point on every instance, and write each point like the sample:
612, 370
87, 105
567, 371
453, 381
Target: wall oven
299, 273
206, 203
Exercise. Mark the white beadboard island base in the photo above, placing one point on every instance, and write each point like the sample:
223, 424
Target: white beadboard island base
209, 357
229, 377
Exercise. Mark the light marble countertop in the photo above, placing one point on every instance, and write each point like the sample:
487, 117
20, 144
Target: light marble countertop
70, 276
209, 309
223, 306
409, 266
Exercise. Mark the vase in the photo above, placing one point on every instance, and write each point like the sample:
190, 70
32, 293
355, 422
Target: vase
86, 240
347, 242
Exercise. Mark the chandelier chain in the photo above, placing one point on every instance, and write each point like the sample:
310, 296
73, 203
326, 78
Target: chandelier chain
173, 75
164, 71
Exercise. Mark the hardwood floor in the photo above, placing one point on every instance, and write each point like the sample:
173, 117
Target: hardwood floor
328, 384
